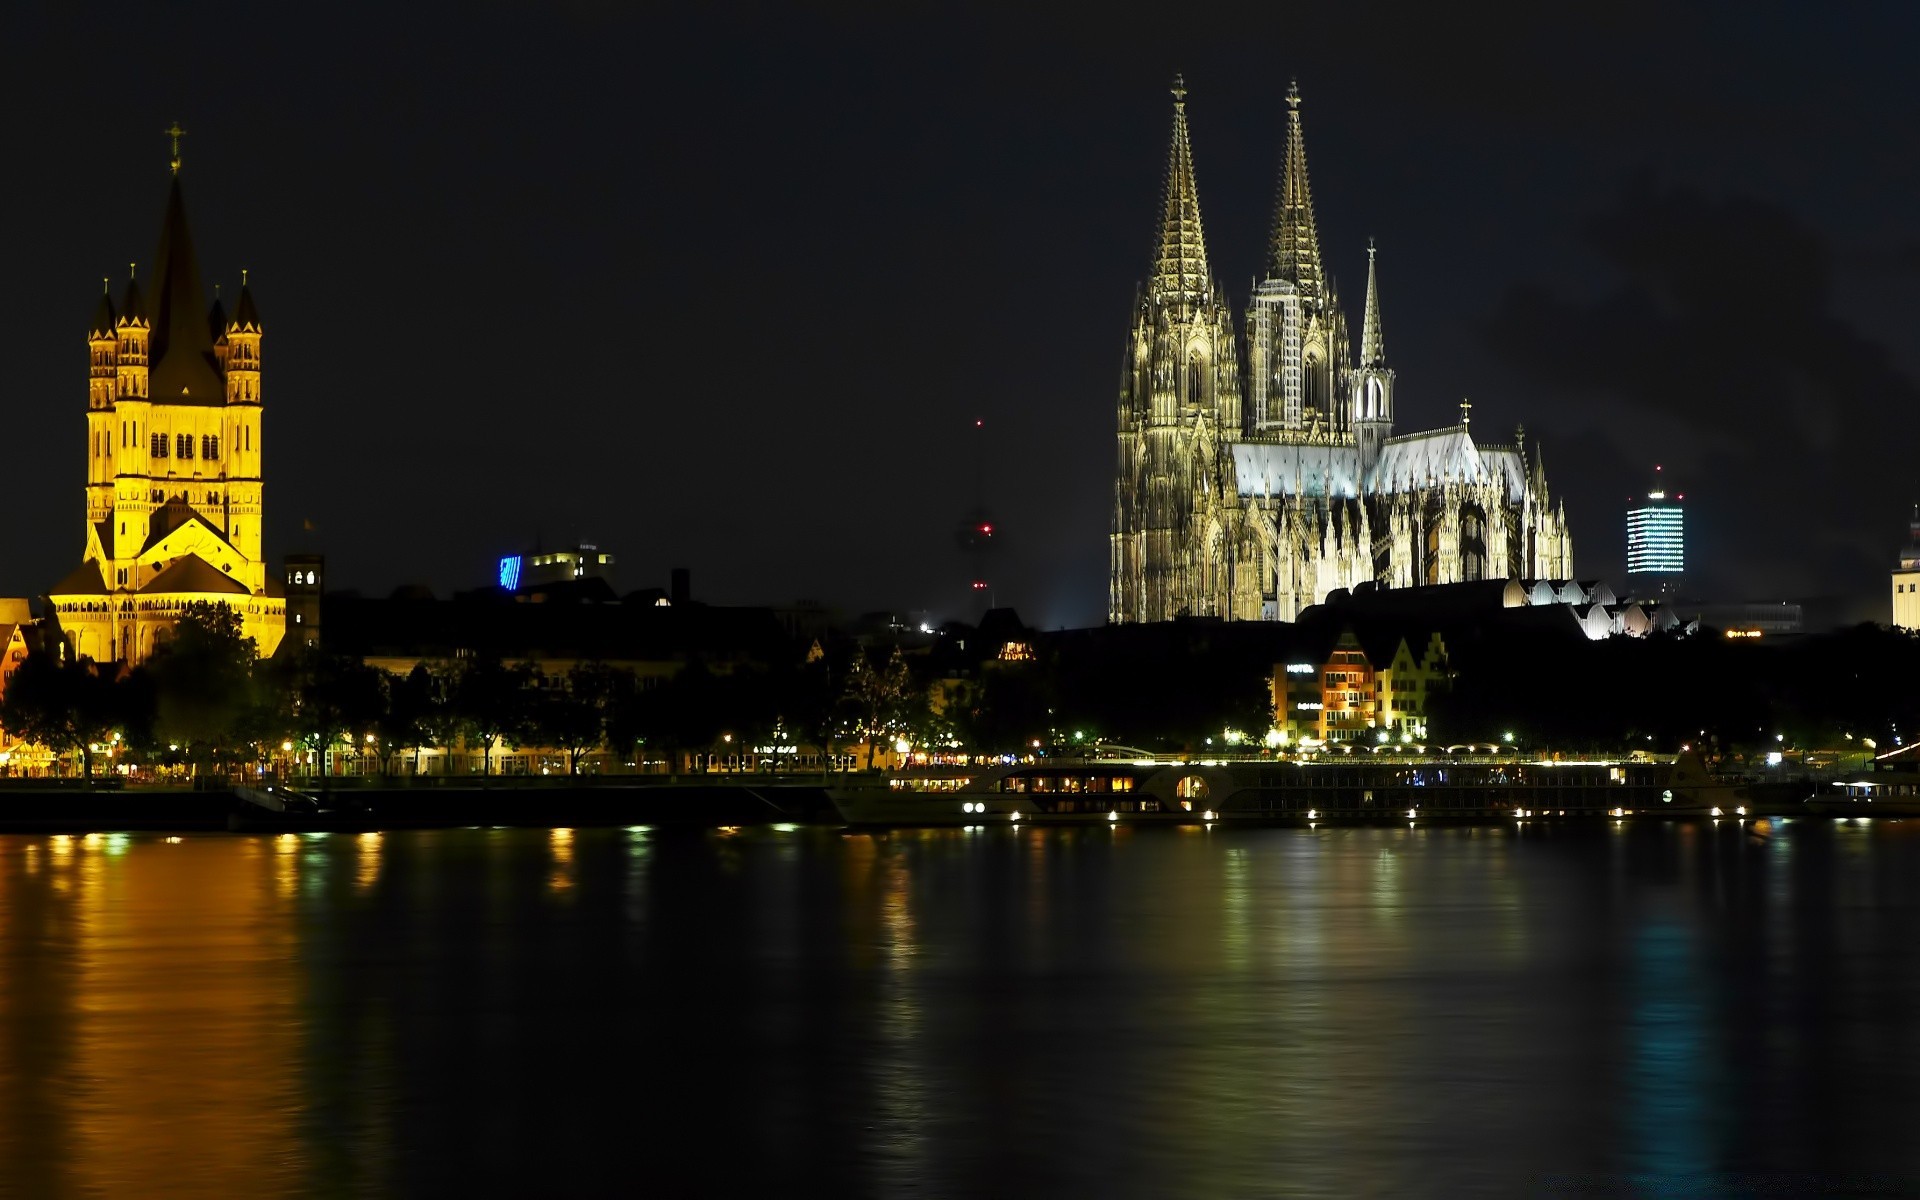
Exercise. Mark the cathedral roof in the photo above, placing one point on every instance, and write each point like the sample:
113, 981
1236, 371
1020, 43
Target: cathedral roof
1295, 469
103, 316
184, 367
1180, 259
1417, 460
217, 318
1294, 249
83, 580
192, 573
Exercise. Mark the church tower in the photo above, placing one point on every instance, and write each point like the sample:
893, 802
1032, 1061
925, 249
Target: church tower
1372, 381
1296, 334
1179, 394
173, 462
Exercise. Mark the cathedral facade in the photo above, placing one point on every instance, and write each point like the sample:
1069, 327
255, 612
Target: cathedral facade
1253, 482
174, 456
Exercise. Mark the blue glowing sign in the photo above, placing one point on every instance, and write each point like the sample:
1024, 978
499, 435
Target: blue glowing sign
510, 572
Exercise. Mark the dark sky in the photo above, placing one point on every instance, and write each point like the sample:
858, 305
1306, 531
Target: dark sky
726, 286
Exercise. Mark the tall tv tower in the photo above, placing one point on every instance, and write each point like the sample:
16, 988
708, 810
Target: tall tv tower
978, 531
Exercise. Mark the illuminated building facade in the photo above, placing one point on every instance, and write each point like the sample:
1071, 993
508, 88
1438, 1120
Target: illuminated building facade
1252, 485
1906, 580
1657, 541
519, 572
174, 462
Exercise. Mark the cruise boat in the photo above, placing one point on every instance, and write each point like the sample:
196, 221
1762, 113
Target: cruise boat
1326, 788
1888, 795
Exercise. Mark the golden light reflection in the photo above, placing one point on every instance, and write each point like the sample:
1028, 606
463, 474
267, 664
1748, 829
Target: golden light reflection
286, 870
369, 872
560, 847
144, 1054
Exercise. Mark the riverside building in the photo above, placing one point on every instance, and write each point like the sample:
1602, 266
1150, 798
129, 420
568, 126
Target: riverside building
1252, 483
174, 462
1906, 580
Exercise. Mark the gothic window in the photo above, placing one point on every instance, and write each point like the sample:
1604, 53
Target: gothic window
183, 445
1193, 381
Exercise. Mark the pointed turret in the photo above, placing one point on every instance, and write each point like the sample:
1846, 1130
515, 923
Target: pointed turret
1294, 252
133, 305
184, 366
104, 317
1372, 402
132, 332
243, 348
1373, 351
1180, 259
246, 318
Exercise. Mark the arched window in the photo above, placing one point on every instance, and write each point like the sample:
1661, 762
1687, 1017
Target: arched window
1194, 387
183, 445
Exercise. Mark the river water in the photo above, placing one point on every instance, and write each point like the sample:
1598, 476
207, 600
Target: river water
1654, 1009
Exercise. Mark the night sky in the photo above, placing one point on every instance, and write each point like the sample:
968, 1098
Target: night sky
726, 287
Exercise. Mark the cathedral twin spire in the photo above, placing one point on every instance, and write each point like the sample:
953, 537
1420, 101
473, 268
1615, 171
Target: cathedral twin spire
1294, 250
1180, 264
1180, 261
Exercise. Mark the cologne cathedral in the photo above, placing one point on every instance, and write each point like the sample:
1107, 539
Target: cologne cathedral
1251, 484
174, 475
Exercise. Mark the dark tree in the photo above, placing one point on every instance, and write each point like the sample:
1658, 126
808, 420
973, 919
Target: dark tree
203, 680
495, 704
64, 706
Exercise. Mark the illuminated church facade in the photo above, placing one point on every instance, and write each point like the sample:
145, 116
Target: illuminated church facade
1253, 483
174, 454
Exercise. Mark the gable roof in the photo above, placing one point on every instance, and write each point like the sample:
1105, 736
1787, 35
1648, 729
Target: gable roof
194, 574
171, 516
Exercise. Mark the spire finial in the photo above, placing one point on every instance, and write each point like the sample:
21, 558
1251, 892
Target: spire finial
243, 277
1293, 98
1179, 88
1466, 413
106, 286
133, 270
174, 132
1370, 249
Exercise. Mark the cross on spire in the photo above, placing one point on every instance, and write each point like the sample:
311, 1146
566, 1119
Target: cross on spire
174, 132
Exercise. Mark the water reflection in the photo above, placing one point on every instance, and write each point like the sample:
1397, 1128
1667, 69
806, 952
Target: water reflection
1137, 1012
